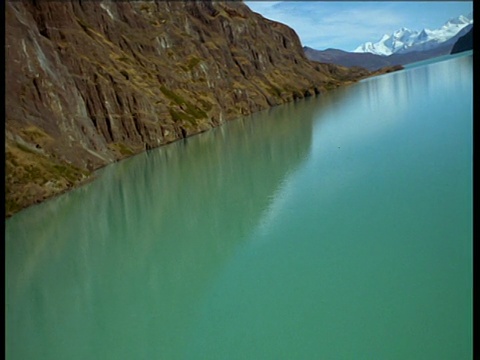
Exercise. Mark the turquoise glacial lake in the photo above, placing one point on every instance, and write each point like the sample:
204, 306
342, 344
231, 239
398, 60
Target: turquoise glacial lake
336, 227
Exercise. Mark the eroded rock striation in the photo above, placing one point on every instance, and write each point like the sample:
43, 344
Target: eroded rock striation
92, 82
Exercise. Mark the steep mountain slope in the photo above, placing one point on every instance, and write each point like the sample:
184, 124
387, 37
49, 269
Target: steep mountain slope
88, 83
464, 43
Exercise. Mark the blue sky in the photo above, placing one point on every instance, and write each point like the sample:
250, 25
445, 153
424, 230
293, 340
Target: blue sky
347, 24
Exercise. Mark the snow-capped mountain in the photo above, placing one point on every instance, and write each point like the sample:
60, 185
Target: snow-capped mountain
405, 40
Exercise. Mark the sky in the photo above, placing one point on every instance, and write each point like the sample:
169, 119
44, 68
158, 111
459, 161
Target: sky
345, 25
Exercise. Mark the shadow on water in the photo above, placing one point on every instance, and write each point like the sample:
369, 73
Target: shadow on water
117, 265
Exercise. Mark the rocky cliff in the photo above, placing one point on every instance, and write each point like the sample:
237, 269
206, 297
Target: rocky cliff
92, 82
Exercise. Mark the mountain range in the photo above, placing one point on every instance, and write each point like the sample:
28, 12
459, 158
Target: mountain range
405, 40
401, 48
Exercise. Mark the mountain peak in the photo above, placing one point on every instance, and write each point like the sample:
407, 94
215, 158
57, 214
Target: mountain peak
460, 20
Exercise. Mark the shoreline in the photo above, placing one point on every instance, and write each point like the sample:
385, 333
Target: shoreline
92, 176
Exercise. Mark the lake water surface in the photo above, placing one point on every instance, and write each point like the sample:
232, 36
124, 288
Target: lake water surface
338, 227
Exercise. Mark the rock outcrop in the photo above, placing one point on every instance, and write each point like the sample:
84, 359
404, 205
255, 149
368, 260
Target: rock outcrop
92, 82
464, 43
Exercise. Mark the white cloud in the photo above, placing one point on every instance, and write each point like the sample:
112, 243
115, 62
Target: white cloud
328, 24
262, 6
348, 24
353, 27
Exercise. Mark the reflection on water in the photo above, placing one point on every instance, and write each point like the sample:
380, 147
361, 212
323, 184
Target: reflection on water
147, 234
336, 227
367, 249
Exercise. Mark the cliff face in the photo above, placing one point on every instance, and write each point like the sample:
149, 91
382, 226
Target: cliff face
91, 82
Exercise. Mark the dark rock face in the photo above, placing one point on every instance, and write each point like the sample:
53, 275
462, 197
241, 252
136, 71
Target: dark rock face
464, 43
92, 82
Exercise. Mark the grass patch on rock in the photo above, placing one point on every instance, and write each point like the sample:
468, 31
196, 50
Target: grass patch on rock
122, 148
31, 177
185, 109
